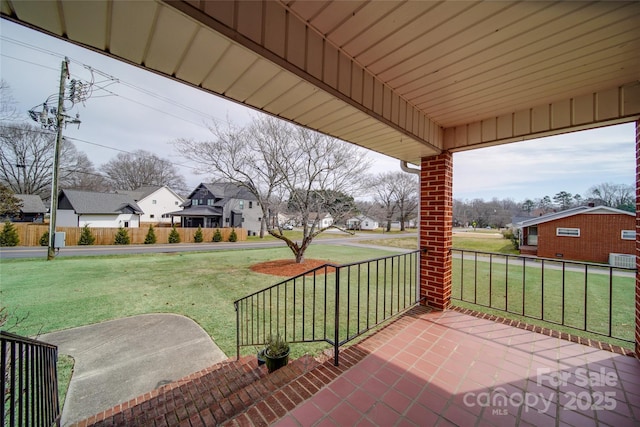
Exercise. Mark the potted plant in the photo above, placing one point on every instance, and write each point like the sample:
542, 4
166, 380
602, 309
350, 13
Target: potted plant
276, 353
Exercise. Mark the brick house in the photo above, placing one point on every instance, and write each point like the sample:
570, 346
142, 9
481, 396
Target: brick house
580, 234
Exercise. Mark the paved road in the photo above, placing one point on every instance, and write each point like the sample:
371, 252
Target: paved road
41, 252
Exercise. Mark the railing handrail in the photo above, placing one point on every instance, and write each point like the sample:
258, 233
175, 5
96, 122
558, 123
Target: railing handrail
26, 340
374, 290
537, 258
526, 293
321, 267
30, 391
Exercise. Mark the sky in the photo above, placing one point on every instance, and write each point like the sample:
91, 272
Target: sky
136, 109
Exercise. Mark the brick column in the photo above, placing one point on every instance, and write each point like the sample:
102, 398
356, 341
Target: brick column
638, 238
436, 221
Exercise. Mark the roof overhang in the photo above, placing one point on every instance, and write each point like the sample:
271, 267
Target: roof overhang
406, 79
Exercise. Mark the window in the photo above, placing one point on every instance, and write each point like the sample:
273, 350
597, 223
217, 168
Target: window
152, 216
250, 205
175, 203
194, 202
568, 232
153, 202
628, 235
241, 204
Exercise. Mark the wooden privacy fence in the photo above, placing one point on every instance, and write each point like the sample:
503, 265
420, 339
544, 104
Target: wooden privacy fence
30, 234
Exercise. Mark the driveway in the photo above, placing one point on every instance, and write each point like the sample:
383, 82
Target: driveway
118, 360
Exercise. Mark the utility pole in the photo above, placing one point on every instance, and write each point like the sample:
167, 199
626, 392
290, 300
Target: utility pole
64, 74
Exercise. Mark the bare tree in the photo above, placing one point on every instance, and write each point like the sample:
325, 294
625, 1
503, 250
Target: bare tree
385, 195
26, 159
7, 103
619, 196
283, 165
406, 196
9, 204
129, 171
82, 175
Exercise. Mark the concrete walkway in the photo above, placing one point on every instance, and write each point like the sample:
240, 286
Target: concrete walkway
117, 360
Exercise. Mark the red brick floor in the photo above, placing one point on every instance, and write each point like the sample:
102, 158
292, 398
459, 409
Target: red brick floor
449, 368
422, 369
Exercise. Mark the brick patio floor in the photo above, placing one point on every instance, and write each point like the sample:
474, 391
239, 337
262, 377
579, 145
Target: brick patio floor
449, 368
423, 369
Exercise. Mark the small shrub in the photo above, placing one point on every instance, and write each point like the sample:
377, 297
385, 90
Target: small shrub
150, 238
86, 238
217, 236
198, 237
514, 237
174, 236
233, 237
44, 239
122, 237
9, 235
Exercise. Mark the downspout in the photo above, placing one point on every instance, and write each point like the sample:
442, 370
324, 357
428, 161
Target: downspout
405, 168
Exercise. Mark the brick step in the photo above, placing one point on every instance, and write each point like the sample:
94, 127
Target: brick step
271, 395
173, 401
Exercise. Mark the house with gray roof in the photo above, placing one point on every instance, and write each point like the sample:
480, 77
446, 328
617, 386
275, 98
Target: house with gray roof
157, 201
78, 208
219, 205
32, 210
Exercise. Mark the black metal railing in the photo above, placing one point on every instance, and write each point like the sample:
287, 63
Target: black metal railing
30, 382
331, 303
595, 298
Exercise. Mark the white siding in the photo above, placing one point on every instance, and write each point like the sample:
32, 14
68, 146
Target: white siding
165, 201
112, 221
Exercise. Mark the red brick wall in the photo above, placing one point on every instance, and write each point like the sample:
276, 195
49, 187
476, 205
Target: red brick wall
599, 236
436, 223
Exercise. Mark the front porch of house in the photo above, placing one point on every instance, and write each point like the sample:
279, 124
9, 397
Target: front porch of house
424, 368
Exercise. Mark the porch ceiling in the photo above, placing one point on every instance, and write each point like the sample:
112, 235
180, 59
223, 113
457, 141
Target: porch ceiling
407, 79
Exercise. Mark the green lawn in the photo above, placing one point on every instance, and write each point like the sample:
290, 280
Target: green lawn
70, 292
519, 289
485, 244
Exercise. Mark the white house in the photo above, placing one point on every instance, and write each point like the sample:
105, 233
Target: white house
79, 208
322, 220
156, 202
362, 222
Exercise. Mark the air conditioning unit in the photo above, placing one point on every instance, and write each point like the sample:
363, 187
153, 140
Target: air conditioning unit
622, 260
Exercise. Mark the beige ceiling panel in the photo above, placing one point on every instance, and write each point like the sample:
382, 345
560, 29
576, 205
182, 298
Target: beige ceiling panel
203, 54
131, 27
357, 121
430, 64
296, 42
325, 19
280, 84
253, 79
631, 98
608, 104
583, 109
171, 39
385, 28
526, 61
360, 21
334, 127
275, 28
561, 114
291, 97
540, 45
312, 108
87, 21
45, 15
489, 129
541, 118
332, 116
250, 19
565, 86
464, 24
233, 63
305, 8
315, 58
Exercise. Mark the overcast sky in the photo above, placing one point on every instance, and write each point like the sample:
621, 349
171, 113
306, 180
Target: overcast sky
141, 110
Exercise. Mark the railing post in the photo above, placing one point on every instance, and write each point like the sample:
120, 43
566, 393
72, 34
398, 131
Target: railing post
237, 330
336, 319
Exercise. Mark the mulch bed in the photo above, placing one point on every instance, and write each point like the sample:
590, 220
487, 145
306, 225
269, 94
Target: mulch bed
289, 267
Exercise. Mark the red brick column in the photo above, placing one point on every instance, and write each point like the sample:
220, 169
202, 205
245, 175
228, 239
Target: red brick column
436, 221
638, 238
